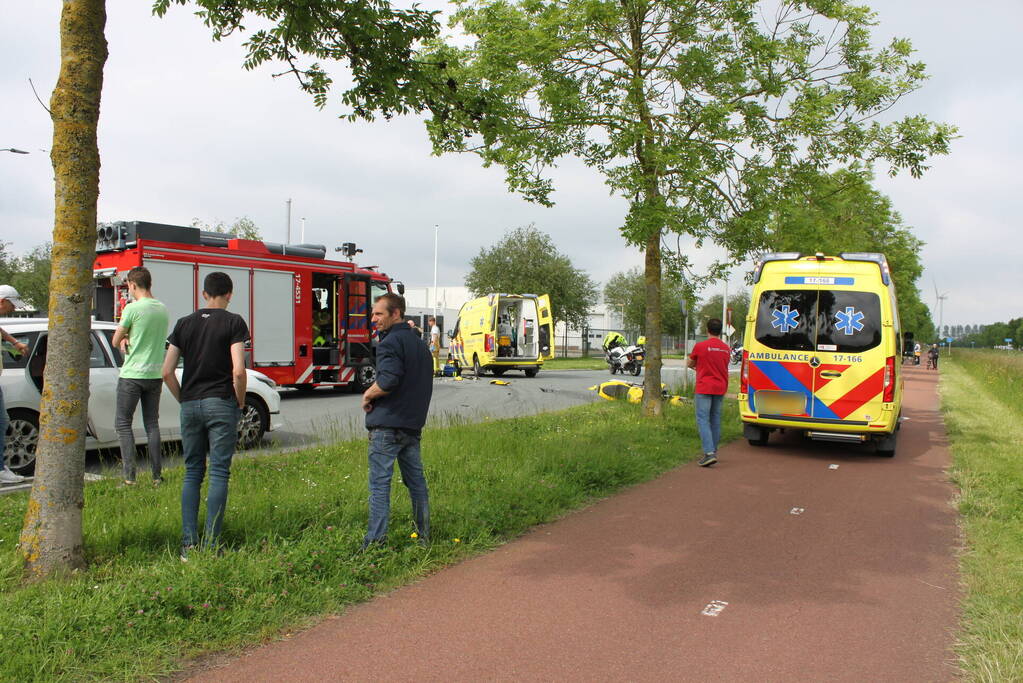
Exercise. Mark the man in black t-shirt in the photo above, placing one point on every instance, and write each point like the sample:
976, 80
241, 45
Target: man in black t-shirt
212, 393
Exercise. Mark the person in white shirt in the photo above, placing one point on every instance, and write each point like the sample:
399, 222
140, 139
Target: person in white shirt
434, 343
9, 300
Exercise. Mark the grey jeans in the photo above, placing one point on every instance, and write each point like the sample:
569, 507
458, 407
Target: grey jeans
129, 393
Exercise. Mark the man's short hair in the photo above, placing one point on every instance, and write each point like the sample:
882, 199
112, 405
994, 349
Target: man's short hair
714, 326
431, 319
393, 302
140, 277
217, 284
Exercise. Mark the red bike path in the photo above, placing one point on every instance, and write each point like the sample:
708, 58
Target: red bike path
770, 566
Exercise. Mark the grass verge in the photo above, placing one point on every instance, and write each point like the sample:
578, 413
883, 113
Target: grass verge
981, 394
590, 363
294, 524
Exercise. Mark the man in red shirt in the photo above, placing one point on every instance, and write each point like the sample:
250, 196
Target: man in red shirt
710, 359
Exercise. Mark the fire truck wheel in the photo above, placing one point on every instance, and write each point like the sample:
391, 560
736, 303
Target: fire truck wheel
365, 375
22, 437
254, 422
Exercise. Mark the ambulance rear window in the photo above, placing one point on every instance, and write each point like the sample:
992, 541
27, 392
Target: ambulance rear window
848, 321
785, 319
819, 320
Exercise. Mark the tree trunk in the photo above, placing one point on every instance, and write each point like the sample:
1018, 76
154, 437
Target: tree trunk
51, 540
652, 404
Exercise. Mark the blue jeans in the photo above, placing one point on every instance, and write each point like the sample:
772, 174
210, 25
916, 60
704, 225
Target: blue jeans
209, 427
385, 446
3, 429
708, 420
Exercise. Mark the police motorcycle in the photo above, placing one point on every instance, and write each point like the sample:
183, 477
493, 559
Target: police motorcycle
623, 357
736, 353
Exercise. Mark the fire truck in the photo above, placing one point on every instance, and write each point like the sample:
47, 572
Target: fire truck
309, 317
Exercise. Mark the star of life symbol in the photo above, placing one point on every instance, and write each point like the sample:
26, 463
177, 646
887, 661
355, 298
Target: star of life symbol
785, 319
850, 320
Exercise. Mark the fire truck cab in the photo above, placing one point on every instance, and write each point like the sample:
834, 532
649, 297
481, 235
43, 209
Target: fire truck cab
309, 317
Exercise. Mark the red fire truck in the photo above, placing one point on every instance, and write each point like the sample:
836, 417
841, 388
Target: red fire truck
308, 316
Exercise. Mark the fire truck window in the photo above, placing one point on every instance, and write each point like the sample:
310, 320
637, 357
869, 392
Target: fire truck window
14, 358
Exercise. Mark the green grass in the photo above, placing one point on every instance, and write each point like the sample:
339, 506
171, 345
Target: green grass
982, 399
294, 524
591, 363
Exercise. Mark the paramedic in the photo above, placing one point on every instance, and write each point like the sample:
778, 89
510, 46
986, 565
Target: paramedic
396, 406
710, 360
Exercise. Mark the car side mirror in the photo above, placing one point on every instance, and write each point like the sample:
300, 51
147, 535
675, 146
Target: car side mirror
451, 334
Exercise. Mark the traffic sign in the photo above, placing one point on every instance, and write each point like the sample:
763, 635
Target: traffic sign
1008, 340
948, 339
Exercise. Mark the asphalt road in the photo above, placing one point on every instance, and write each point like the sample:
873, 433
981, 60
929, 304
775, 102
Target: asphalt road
800, 561
325, 415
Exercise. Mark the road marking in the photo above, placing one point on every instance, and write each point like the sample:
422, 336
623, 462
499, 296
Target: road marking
797, 511
832, 467
715, 608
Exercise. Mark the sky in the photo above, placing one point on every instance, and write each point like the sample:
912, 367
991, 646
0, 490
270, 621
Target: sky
186, 133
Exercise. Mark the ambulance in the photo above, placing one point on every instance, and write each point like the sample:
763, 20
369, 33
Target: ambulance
822, 347
500, 332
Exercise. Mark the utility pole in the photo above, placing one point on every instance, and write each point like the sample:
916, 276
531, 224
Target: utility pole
302, 234
288, 221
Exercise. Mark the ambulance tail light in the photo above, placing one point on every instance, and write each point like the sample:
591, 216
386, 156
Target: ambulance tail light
488, 343
744, 374
889, 380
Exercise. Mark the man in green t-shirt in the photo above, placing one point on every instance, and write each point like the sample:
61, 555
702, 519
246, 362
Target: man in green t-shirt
141, 335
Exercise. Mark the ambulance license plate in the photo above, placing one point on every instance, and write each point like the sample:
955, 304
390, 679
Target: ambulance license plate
780, 402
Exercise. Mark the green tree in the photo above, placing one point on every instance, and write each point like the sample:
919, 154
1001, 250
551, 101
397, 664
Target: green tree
243, 228
711, 308
32, 276
842, 211
626, 292
698, 113
526, 261
375, 41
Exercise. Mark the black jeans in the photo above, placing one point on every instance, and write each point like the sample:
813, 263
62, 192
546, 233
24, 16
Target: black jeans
129, 392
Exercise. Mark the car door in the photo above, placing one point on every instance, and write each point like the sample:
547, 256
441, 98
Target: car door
103, 374
170, 409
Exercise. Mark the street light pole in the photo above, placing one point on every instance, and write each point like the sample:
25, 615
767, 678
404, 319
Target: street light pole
436, 236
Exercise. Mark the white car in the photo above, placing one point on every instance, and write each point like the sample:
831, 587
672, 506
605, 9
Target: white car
22, 382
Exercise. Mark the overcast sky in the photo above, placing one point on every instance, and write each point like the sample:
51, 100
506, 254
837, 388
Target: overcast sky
186, 133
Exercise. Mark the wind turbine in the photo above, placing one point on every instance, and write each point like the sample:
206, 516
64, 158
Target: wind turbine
939, 300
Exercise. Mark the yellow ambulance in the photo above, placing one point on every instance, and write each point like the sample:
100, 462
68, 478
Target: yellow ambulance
822, 347
501, 332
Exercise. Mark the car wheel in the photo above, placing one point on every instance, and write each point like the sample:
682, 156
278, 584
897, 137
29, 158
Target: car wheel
22, 439
477, 369
531, 372
253, 423
886, 446
500, 371
365, 375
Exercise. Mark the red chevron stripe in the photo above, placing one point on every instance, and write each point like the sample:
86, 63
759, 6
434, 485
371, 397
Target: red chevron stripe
758, 380
858, 395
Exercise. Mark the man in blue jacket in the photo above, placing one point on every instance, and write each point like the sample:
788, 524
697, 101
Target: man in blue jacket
396, 406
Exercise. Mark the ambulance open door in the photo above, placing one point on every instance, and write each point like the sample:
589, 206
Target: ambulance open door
546, 326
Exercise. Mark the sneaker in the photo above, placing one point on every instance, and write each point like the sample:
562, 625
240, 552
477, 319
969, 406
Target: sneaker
707, 460
185, 549
158, 481
126, 483
8, 477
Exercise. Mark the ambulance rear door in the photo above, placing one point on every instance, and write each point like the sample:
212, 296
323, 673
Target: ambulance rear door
546, 326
